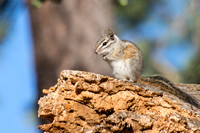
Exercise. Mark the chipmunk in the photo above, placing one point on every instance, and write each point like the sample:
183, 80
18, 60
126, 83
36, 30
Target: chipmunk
126, 60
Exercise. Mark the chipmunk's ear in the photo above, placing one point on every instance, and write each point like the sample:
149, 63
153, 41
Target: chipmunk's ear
111, 34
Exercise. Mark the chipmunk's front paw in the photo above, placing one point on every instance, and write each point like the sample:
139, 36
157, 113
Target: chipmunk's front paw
104, 57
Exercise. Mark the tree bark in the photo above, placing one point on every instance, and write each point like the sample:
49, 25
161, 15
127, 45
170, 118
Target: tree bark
64, 37
93, 103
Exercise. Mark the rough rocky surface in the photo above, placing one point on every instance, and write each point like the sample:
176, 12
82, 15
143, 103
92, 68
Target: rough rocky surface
89, 102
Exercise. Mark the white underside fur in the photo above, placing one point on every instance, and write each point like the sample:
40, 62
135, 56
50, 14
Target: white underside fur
122, 69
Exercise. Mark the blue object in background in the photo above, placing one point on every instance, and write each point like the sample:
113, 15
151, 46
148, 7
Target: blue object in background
18, 91
177, 50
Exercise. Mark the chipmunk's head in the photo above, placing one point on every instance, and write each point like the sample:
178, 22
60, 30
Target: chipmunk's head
106, 43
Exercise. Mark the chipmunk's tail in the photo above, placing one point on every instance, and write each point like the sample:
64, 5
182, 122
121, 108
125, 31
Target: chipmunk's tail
166, 85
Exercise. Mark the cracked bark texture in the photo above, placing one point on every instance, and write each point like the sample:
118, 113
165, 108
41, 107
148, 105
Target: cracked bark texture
90, 102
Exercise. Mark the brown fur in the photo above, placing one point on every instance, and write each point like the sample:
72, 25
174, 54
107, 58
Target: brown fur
131, 51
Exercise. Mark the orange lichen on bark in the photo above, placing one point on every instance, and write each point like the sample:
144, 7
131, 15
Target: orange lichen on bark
89, 102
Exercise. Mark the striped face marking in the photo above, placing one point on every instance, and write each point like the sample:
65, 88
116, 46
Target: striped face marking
104, 43
101, 41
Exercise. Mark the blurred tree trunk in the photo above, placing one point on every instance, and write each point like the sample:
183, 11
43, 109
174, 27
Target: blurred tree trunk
64, 36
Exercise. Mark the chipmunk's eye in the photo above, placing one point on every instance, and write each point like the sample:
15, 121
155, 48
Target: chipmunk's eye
104, 43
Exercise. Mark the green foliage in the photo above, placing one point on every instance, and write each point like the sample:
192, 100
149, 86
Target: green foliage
192, 73
3, 30
192, 33
147, 48
123, 2
36, 3
133, 11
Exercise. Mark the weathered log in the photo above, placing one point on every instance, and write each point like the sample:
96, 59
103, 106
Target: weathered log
89, 102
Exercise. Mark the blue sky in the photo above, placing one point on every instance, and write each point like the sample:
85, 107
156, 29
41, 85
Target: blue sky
17, 77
